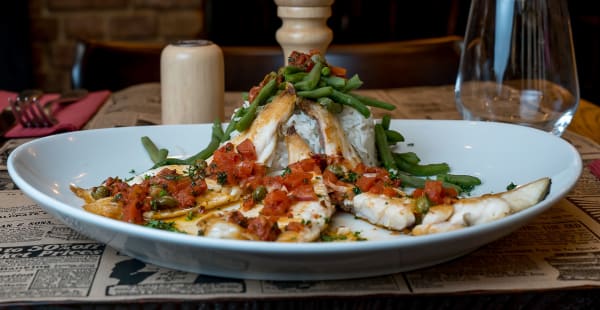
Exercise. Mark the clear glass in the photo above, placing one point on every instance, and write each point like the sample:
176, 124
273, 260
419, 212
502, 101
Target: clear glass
518, 64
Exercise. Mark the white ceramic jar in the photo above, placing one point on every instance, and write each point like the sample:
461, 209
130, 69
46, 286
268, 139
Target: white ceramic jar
192, 82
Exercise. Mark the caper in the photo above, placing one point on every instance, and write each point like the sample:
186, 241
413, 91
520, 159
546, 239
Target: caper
100, 192
259, 193
200, 164
156, 191
166, 202
422, 205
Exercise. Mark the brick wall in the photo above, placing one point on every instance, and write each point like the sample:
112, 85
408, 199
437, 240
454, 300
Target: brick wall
55, 25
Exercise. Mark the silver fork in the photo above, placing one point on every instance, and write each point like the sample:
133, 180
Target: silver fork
28, 111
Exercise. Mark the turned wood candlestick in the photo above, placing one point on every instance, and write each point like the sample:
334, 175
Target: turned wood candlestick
304, 25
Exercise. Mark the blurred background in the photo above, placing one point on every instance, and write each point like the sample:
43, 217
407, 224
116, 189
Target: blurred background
38, 36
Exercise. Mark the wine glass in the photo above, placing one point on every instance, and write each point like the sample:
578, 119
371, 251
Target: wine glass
518, 64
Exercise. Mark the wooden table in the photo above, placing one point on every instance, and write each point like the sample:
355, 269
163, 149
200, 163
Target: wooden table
140, 105
415, 102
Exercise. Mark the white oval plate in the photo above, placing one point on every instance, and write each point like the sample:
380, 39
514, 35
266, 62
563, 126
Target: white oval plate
497, 153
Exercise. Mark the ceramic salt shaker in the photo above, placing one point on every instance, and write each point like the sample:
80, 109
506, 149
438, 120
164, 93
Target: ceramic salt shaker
192, 82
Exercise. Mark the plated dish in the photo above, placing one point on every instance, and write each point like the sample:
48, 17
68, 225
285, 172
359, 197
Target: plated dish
499, 154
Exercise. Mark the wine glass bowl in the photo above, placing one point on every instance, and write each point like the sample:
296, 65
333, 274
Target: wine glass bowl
518, 64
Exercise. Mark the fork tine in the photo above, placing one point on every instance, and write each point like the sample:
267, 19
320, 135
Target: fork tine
30, 113
15, 107
27, 117
42, 119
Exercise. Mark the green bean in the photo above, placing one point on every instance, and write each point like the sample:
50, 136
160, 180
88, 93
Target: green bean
410, 157
465, 182
325, 71
316, 93
352, 83
291, 70
393, 136
385, 121
335, 81
170, 161
421, 170
231, 126
408, 180
246, 120
348, 100
218, 132
374, 102
155, 154
311, 80
295, 77
385, 154
457, 188
330, 105
202, 155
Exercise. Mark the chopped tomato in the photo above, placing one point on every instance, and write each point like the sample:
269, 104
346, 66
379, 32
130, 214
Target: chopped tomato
294, 226
276, 203
244, 169
264, 228
306, 165
365, 183
297, 178
248, 203
238, 218
303, 193
300, 60
253, 93
133, 204
435, 192
246, 149
338, 71
234, 165
329, 177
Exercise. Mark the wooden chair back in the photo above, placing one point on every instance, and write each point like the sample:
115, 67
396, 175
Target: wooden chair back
423, 62
117, 65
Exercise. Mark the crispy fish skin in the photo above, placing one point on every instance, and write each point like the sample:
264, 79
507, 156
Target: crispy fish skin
315, 214
333, 137
484, 209
264, 128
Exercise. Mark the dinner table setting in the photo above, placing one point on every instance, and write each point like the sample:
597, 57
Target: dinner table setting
57, 252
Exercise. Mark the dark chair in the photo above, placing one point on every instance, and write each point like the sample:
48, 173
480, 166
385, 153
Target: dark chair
424, 62
116, 65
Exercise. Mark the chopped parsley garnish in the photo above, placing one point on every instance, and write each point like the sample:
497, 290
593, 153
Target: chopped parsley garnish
511, 186
190, 215
158, 224
350, 177
222, 178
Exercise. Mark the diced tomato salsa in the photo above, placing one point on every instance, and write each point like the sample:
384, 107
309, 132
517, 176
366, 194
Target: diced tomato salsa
436, 193
136, 199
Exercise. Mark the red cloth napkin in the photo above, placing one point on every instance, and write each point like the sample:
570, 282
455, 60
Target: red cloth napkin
70, 117
594, 167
